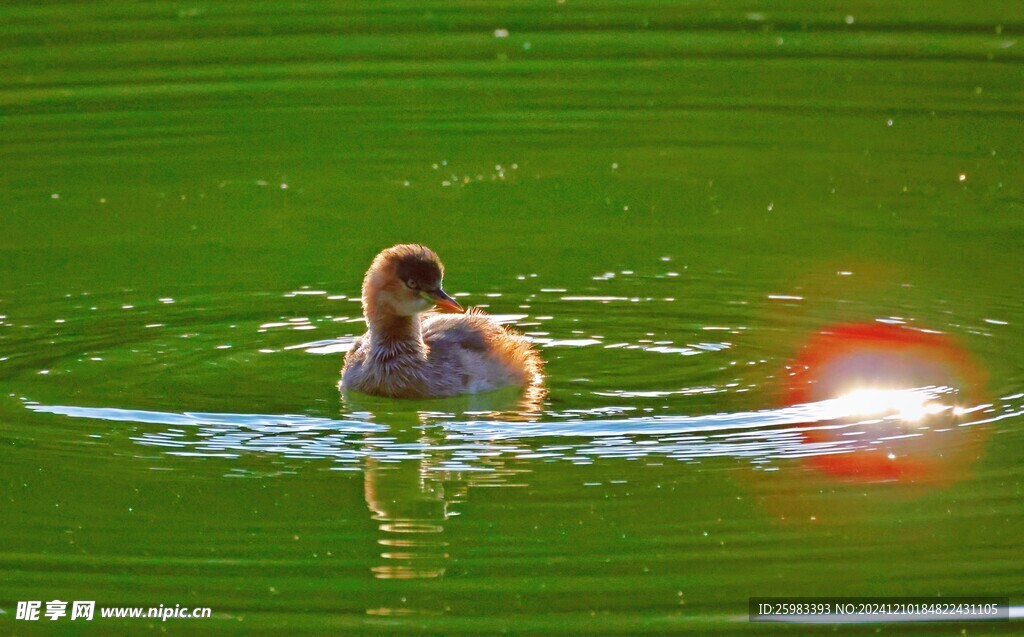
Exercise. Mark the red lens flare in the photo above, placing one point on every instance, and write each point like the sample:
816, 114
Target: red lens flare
875, 371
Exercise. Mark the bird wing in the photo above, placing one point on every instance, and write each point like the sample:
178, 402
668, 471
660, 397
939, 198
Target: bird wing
462, 330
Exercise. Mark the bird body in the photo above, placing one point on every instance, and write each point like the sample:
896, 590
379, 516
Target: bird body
408, 352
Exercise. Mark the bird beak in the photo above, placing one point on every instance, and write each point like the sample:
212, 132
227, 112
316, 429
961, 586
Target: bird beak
441, 299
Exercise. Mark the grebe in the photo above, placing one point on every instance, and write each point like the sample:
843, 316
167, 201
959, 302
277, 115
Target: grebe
406, 355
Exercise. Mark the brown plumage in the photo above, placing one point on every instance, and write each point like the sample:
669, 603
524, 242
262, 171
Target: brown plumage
408, 354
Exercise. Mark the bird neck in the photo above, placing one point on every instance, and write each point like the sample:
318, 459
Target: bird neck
390, 333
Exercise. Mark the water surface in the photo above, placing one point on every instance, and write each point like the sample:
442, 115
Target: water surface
671, 200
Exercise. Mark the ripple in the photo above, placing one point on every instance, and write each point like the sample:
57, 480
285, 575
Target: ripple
760, 437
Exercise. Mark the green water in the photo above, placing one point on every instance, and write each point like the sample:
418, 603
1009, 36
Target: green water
670, 198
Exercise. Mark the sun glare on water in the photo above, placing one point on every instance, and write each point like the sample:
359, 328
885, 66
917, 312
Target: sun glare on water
908, 405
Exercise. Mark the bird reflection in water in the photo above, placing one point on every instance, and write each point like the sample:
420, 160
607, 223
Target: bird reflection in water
411, 507
413, 497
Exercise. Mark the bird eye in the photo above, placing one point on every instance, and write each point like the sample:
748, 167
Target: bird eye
411, 283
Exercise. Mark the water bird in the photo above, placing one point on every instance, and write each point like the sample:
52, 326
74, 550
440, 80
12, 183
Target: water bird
411, 351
